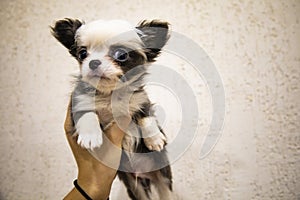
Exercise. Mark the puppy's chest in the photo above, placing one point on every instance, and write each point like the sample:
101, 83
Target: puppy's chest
110, 107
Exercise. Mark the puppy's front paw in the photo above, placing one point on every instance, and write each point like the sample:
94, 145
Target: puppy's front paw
89, 131
90, 140
155, 142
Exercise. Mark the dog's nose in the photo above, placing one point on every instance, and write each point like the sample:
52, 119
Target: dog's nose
94, 64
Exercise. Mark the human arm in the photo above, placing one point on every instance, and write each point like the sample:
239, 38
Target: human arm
94, 177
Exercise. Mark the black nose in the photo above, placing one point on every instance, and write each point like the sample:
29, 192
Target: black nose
94, 64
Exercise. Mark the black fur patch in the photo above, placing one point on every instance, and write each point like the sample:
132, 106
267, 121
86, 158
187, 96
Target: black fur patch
154, 35
135, 58
64, 31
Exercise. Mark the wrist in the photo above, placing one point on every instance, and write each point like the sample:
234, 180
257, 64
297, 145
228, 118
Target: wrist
94, 190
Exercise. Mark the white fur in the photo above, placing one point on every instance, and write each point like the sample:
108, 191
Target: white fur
148, 126
153, 138
155, 142
89, 131
106, 68
84, 103
96, 33
97, 37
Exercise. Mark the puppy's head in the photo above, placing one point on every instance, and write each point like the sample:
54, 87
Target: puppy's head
106, 50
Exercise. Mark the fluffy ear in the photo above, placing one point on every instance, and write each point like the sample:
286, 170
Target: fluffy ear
154, 35
64, 31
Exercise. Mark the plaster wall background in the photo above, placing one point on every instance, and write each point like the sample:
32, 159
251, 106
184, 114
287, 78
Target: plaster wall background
253, 44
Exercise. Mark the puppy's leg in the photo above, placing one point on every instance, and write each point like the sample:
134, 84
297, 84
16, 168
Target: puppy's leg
163, 190
136, 188
86, 120
89, 131
163, 183
153, 137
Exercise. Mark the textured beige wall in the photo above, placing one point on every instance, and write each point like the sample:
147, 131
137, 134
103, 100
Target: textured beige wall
254, 45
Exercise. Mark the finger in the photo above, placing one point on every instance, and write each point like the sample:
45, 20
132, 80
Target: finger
69, 123
115, 135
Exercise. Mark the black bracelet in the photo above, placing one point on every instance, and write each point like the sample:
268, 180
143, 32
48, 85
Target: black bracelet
82, 192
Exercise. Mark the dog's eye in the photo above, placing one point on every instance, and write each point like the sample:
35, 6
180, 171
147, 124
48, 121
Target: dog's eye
82, 54
120, 55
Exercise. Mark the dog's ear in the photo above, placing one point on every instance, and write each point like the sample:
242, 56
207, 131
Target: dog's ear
64, 31
154, 34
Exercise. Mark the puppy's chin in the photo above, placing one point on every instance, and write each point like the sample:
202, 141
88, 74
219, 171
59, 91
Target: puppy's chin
103, 84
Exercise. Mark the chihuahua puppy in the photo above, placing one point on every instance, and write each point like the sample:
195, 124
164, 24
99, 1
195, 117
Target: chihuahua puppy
113, 58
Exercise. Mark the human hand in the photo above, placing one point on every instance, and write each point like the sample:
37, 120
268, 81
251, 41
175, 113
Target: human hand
94, 177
